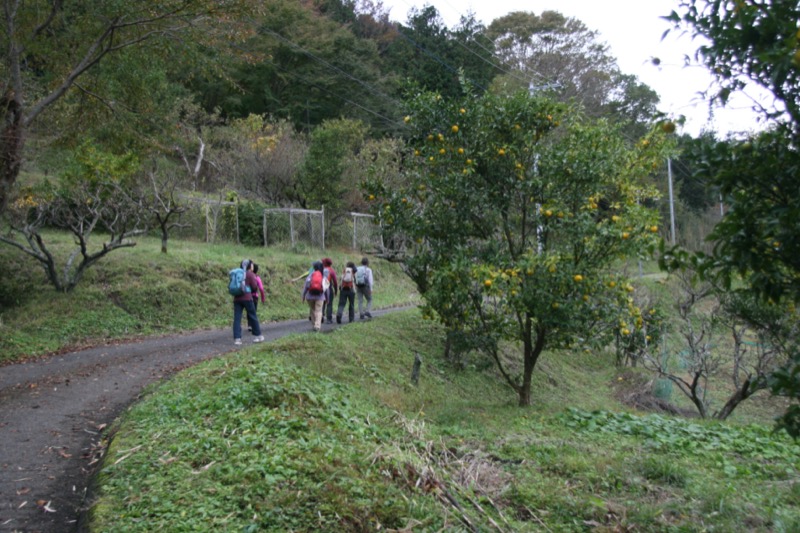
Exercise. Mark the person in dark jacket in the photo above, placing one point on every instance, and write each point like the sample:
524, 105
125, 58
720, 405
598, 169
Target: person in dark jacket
333, 289
244, 304
347, 292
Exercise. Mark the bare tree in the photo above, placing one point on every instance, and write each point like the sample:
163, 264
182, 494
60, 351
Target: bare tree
86, 207
720, 343
159, 197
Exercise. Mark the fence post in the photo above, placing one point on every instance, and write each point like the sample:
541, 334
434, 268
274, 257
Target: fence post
323, 227
236, 208
291, 225
264, 225
355, 224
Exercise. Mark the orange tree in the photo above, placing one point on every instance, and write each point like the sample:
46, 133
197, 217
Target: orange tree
516, 209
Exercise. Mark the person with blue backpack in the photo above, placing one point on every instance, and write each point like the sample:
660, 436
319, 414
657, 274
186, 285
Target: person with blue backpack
242, 285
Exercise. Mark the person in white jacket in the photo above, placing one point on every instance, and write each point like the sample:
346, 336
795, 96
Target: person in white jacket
364, 285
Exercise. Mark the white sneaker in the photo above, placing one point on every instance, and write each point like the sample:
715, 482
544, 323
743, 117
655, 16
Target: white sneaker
237, 341
260, 338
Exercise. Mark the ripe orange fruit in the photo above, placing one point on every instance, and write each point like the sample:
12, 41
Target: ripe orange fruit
487, 283
454, 129
578, 278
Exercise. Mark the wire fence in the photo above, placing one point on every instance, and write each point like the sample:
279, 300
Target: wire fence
216, 221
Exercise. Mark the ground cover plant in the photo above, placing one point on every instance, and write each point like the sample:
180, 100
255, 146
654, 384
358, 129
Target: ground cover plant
140, 291
327, 433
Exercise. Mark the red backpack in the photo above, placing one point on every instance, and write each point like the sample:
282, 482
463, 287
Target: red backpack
315, 287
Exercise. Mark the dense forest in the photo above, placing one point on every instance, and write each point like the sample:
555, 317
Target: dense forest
282, 101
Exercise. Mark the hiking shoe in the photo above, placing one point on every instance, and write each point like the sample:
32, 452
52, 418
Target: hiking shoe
368, 315
237, 341
260, 338
338, 320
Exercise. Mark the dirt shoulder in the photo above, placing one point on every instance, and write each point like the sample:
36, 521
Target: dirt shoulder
53, 412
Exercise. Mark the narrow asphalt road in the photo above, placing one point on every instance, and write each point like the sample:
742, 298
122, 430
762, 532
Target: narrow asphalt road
53, 412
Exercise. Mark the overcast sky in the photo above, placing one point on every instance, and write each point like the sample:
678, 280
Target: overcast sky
633, 31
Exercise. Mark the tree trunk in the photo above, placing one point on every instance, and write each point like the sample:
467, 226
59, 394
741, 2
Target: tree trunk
741, 394
531, 352
11, 144
164, 239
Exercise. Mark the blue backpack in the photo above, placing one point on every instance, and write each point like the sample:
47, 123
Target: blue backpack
237, 284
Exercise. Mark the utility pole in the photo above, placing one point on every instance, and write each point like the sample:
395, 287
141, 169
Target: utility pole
671, 202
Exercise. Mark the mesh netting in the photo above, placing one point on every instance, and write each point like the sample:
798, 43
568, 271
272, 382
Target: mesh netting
293, 226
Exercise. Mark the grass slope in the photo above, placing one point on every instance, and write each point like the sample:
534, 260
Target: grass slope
326, 433
140, 291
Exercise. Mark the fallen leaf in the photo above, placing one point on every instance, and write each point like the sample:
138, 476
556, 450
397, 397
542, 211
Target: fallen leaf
23, 490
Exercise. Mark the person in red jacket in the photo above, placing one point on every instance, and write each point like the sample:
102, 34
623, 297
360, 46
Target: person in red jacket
333, 289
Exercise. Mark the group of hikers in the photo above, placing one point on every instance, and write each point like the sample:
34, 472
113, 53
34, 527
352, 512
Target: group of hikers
320, 289
322, 285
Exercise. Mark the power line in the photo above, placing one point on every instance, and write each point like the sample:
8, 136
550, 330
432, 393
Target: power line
333, 67
356, 104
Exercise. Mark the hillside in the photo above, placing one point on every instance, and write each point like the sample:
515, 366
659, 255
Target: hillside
139, 291
327, 433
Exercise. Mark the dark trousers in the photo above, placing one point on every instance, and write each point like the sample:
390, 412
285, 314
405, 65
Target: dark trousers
346, 296
252, 320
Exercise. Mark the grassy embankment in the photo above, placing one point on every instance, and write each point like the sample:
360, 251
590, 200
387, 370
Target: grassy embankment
326, 433
139, 291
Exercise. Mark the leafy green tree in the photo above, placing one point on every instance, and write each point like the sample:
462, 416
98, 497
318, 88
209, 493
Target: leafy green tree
49, 47
517, 210
304, 65
754, 43
561, 57
429, 54
320, 182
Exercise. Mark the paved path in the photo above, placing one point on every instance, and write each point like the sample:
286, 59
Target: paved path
53, 412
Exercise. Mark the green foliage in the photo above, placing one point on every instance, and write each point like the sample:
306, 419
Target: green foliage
292, 450
95, 166
325, 433
760, 449
748, 41
251, 223
321, 179
514, 219
751, 42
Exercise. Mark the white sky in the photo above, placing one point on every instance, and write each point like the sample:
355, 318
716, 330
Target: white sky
633, 30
